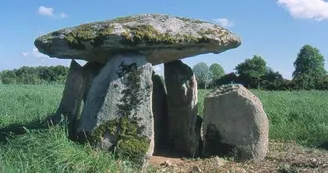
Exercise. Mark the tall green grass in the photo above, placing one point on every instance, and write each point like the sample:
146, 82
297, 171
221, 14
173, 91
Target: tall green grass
300, 116
37, 148
24, 104
34, 147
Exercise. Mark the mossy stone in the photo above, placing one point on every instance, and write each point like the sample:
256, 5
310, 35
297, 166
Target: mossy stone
117, 116
149, 35
88, 32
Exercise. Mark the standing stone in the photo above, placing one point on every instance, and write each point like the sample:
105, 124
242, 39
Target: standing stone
160, 113
118, 110
90, 71
235, 123
181, 88
70, 105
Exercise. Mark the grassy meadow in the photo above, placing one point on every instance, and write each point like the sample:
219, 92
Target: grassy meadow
32, 146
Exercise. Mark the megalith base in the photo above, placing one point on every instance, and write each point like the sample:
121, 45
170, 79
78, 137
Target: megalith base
117, 113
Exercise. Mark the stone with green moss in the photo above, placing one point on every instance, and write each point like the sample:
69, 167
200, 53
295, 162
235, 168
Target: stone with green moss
161, 38
117, 114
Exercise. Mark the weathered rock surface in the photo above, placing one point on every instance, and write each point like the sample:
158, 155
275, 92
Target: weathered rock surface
118, 110
160, 113
70, 105
235, 123
90, 71
161, 38
181, 88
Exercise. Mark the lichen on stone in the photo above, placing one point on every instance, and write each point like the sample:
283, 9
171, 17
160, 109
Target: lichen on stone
149, 35
130, 142
88, 32
126, 19
190, 20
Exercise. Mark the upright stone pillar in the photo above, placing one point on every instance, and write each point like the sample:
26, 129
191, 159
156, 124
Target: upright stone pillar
118, 111
70, 105
181, 87
160, 113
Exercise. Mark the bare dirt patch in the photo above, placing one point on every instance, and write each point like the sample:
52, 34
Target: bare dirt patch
283, 157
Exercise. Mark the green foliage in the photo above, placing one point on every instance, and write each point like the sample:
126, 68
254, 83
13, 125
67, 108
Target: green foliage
272, 80
252, 70
322, 83
8, 77
309, 67
229, 78
35, 75
202, 74
216, 71
293, 115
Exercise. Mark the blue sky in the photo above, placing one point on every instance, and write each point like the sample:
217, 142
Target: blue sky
273, 29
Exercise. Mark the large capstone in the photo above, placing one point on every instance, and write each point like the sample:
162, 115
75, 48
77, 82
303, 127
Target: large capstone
160, 113
70, 105
117, 113
183, 122
161, 38
235, 124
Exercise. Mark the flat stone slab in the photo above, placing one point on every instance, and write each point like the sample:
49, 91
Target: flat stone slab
160, 38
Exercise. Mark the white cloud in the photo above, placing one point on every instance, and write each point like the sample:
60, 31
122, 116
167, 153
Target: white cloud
35, 53
50, 12
25, 54
224, 22
46, 11
306, 9
63, 15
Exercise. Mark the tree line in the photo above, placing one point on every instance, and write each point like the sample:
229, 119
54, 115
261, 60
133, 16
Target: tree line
309, 73
35, 75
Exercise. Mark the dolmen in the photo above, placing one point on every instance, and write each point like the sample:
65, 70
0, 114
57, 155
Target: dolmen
109, 101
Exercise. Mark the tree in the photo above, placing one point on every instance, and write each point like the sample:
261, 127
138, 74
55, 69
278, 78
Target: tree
8, 77
251, 71
202, 74
229, 78
272, 80
35, 75
216, 72
309, 67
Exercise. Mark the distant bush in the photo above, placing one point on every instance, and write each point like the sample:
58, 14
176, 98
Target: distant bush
35, 75
322, 83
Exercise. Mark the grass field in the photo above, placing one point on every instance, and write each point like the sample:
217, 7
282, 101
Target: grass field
33, 147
